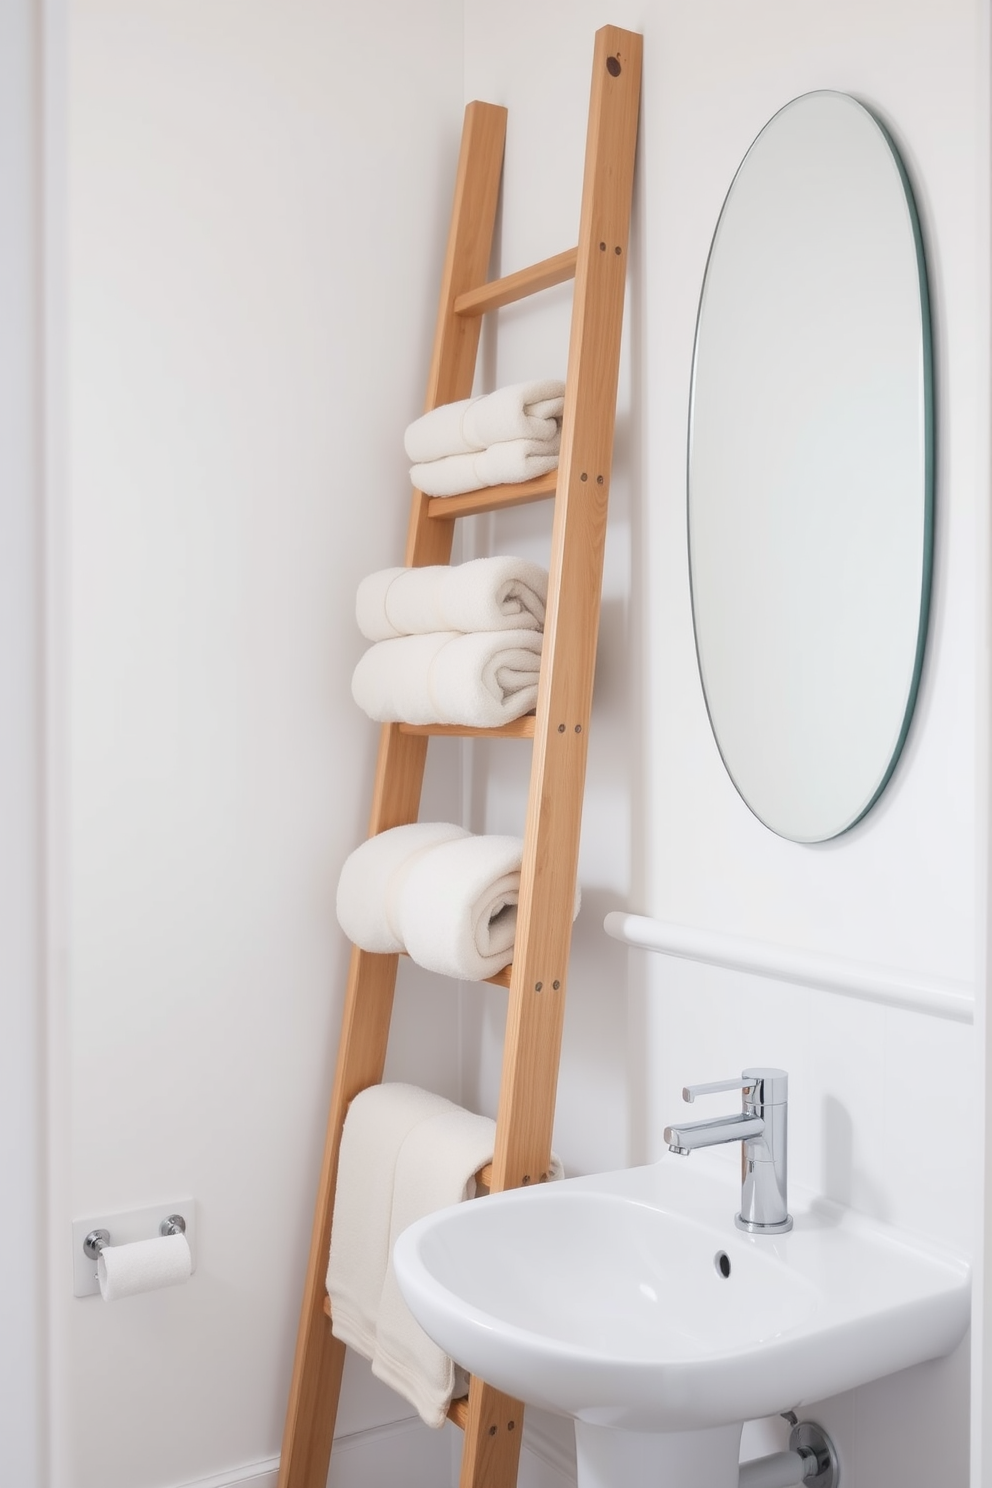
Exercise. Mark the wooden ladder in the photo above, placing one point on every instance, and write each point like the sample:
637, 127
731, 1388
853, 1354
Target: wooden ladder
580, 486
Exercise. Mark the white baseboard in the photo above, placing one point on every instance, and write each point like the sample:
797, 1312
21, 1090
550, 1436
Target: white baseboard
548, 1456
410, 1454
402, 1452
253, 1475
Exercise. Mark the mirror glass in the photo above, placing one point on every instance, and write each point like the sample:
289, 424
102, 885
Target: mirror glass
810, 479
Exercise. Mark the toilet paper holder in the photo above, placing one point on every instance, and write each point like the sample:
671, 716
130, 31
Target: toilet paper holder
124, 1227
96, 1240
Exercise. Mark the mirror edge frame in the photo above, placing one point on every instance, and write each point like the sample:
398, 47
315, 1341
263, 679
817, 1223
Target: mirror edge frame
929, 461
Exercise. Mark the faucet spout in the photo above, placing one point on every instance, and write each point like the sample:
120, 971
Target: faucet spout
761, 1126
712, 1133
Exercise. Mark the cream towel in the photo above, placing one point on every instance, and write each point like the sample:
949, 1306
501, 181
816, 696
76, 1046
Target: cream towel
524, 410
405, 1152
482, 679
373, 877
506, 463
436, 1166
457, 913
449, 899
499, 593
378, 1122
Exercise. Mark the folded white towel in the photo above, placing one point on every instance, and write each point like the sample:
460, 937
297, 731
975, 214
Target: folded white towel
524, 410
378, 1122
373, 876
436, 1166
507, 463
404, 1153
449, 899
499, 593
482, 679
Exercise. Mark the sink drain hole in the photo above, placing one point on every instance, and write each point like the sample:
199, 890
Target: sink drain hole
722, 1262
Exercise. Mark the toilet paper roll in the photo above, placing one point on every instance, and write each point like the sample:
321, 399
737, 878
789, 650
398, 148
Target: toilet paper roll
126, 1270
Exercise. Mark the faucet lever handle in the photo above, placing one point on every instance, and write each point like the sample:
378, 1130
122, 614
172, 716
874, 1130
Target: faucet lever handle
689, 1092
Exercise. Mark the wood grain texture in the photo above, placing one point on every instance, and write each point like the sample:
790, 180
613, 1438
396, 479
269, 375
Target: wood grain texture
535, 1017
492, 1421
519, 728
318, 1363
458, 1412
551, 840
518, 286
484, 1177
444, 509
493, 1428
469, 250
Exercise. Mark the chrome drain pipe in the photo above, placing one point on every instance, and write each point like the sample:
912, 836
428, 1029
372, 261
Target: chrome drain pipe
810, 1459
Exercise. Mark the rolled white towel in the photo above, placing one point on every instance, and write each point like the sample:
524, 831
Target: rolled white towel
523, 410
498, 593
436, 1166
507, 463
457, 913
378, 1122
373, 876
481, 680
446, 897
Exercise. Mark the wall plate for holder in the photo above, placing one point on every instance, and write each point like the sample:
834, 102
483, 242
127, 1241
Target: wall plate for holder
125, 1227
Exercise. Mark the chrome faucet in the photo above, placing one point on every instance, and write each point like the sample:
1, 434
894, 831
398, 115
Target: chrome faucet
762, 1127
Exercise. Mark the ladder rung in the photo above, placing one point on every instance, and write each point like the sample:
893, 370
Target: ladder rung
518, 286
458, 1412
491, 498
484, 1176
519, 728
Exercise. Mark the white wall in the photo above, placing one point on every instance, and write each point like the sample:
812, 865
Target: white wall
23, 1384
258, 194
254, 189
664, 831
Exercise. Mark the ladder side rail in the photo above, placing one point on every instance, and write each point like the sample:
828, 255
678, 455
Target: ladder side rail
466, 264
319, 1364
551, 840
319, 1358
469, 250
544, 918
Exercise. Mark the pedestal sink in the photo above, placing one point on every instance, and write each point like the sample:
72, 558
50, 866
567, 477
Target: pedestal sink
630, 1302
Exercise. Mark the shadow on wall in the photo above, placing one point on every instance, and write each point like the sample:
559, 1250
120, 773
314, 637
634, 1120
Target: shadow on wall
593, 1119
841, 1178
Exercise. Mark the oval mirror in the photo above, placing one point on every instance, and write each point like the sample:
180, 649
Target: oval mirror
810, 479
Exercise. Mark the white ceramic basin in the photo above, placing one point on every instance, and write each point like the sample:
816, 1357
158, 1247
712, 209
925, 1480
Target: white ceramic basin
604, 1298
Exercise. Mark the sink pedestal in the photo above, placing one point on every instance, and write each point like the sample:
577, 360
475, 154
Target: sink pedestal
607, 1458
